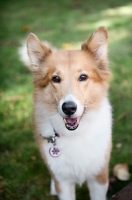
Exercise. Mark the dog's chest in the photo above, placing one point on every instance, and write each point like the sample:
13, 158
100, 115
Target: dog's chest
79, 158
83, 152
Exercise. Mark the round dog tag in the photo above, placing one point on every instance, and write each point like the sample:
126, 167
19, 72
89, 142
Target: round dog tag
55, 151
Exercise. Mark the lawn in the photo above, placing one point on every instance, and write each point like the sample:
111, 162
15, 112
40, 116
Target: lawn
66, 24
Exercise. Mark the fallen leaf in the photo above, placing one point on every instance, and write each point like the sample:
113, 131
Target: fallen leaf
121, 171
25, 29
118, 145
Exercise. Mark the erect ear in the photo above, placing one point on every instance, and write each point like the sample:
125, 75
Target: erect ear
97, 45
37, 51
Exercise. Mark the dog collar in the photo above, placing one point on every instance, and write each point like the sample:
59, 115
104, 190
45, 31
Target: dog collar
54, 151
52, 139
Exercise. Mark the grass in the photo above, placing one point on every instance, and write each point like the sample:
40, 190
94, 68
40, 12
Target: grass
67, 23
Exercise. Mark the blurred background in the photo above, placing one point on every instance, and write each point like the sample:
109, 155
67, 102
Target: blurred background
65, 24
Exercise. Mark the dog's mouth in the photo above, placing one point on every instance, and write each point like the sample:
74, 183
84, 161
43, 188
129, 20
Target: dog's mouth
72, 123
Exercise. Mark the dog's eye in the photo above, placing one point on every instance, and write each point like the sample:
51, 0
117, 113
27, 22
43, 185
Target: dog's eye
56, 79
83, 77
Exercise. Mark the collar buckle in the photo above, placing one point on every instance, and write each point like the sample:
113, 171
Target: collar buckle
52, 139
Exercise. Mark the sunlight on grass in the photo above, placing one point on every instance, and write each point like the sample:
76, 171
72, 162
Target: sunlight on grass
109, 18
120, 11
87, 26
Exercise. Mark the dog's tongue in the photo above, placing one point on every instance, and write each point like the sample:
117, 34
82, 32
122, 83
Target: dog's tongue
71, 123
71, 120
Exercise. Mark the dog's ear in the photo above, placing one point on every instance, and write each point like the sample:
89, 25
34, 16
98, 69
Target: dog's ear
97, 45
37, 51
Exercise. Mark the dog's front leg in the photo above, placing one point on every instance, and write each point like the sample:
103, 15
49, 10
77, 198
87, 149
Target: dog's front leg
53, 189
97, 190
63, 189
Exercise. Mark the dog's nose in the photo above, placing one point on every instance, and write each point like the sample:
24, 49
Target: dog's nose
69, 108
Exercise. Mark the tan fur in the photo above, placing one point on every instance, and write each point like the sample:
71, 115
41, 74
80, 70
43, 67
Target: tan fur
103, 176
39, 140
57, 187
67, 63
87, 61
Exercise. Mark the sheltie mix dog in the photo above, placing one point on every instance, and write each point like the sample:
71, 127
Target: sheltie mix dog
72, 114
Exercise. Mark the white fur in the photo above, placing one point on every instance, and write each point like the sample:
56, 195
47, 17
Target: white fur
83, 150
23, 55
52, 188
100, 190
68, 191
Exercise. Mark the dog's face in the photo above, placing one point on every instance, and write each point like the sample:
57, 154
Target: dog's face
70, 82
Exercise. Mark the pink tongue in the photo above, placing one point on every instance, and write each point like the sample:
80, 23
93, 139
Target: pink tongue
71, 120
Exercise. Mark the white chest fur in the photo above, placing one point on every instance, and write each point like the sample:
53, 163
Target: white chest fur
84, 150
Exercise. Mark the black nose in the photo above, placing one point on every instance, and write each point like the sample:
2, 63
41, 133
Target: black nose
69, 107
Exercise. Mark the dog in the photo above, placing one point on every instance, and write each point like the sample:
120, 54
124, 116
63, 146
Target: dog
72, 114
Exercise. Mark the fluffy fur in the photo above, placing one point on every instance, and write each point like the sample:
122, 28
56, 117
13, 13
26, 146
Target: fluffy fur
80, 77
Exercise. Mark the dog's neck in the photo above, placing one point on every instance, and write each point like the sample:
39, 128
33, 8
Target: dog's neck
52, 139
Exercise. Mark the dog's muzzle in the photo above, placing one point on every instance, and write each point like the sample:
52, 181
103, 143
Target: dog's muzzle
69, 108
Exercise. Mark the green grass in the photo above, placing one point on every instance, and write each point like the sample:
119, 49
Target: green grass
23, 176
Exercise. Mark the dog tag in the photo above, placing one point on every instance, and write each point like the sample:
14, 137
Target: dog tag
55, 151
